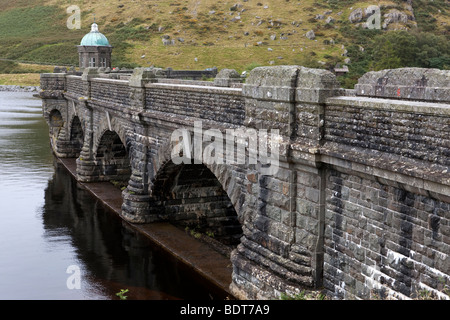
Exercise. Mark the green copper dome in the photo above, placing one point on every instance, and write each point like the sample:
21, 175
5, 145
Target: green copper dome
95, 38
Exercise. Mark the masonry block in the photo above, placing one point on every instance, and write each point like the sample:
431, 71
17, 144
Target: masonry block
406, 84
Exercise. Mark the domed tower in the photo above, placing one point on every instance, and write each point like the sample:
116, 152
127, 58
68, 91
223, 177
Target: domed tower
94, 50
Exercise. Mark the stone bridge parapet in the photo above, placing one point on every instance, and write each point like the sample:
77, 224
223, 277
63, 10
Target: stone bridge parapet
357, 198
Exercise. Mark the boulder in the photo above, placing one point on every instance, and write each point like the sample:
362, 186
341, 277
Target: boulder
311, 35
395, 16
356, 15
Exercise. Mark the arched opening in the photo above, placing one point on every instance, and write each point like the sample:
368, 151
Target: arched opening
113, 160
56, 123
76, 136
192, 197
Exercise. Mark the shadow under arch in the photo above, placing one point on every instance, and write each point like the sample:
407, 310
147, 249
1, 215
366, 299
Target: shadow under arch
76, 136
113, 159
56, 124
190, 195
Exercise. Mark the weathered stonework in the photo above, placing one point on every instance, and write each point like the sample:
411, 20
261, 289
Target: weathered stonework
227, 77
407, 84
359, 205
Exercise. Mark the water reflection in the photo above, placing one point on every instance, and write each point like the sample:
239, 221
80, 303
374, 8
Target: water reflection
111, 254
26, 164
48, 223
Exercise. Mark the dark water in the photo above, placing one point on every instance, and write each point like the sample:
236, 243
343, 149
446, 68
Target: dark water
49, 224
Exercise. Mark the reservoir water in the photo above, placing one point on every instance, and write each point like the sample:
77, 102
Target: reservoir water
55, 236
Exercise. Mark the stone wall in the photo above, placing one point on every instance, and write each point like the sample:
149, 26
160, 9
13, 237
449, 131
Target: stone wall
190, 74
358, 205
75, 85
387, 187
383, 241
223, 105
422, 134
111, 91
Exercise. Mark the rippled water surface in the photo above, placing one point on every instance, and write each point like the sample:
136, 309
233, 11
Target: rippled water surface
48, 224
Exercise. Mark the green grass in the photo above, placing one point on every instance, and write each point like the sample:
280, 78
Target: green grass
22, 79
304, 295
27, 22
36, 31
57, 53
38, 34
12, 67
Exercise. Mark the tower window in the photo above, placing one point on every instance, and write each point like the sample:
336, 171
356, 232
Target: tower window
92, 63
103, 62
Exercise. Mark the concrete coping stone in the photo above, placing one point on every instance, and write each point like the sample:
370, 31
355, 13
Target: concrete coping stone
53, 75
196, 88
73, 77
406, 83
412, 172
89, 73
112, 81
291, 84
405, 106
185, 82
226, 77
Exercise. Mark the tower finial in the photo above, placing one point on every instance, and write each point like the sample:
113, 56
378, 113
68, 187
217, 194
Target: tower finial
94, 27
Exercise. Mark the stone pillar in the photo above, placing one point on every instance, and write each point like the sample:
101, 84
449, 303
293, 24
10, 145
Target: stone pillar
281, 250
53, 86
87, 169
313, 87
87, 76
138, 80
262, 268
136, 199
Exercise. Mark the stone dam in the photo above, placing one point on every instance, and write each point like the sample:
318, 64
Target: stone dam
357, 203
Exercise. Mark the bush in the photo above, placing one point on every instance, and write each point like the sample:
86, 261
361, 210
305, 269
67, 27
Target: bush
392, 49
251, 66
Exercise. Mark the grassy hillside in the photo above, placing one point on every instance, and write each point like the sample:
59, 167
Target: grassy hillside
204, 33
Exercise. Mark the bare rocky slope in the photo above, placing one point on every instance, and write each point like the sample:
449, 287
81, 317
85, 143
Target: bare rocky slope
197, 34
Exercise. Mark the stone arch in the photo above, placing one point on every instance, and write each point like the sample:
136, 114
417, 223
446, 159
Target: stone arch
56, 126
203, 197
227, 175
112, 159
115, 127
191, 196
76, 135
55, 120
